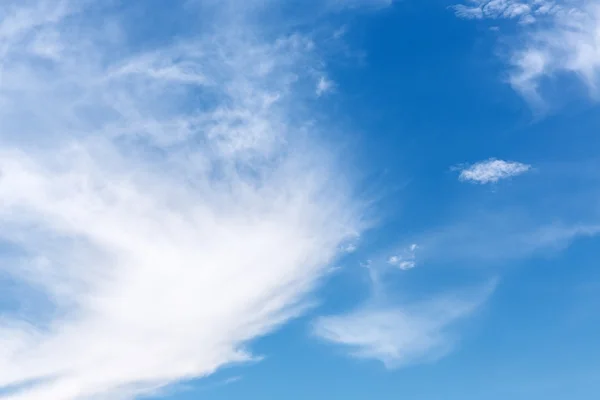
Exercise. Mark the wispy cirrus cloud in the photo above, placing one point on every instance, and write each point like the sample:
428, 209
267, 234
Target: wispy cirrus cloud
491, 171
396, 332
500, 237
402, 334
560, 39
164, 197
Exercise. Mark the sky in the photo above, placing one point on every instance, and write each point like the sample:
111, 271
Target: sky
299, 199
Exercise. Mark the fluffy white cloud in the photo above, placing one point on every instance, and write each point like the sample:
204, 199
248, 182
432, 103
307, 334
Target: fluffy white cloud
492, 170
402, 334
163, 206
561, 39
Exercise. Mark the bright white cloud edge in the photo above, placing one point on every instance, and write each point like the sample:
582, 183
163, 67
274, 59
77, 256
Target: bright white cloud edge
159, 258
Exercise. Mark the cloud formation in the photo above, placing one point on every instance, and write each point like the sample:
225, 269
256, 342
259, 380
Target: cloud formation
163, 203
406, 259
324, 86
402, 334
491, 171
526, 12
560, 40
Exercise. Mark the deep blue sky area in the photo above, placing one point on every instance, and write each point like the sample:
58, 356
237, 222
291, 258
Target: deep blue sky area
324, 199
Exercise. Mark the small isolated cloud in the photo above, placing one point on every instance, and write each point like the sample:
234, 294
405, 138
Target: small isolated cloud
491, 171
403, 334
497, 238
400, 263
406, 259
324, 85
340, 32
350, 248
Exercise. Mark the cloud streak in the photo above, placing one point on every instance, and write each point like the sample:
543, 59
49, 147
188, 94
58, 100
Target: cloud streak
164, 204
524, 11
397, 332
401, 334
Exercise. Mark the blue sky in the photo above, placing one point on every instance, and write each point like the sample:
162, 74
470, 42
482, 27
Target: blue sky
270, 199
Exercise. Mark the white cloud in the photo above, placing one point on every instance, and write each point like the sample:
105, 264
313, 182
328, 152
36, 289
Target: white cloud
492, 170
165, 207
350, 248
525, 11
406, 259
340, 32
402, 334
571, 45
561, 40
324, 85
